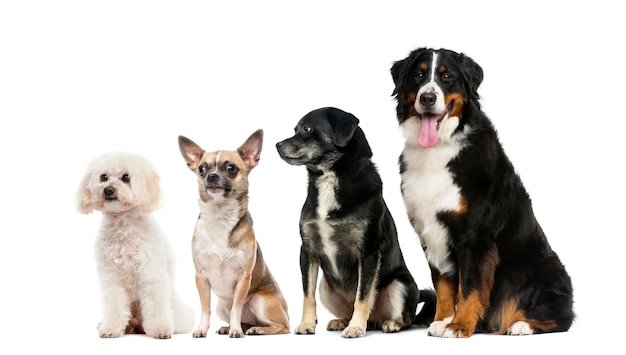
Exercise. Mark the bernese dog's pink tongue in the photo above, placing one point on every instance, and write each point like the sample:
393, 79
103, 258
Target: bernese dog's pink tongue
428, 131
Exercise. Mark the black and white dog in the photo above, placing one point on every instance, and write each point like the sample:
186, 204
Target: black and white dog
492, 266
349, 233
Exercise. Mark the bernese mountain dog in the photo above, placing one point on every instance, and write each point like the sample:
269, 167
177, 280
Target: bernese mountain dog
492, 266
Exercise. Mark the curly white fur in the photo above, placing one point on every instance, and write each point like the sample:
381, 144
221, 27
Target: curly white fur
134, 259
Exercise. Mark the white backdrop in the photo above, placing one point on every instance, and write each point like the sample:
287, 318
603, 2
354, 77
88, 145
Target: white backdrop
79, 78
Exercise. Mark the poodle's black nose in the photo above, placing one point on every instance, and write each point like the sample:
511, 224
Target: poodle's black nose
109, 191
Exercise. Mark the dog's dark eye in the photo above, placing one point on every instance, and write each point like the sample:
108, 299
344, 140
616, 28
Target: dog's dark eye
202, 170
104, 178
126, 178
307, 129
446, 77
231, 169
419, 75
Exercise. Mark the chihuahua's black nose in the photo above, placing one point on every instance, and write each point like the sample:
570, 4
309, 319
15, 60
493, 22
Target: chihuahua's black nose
212, 178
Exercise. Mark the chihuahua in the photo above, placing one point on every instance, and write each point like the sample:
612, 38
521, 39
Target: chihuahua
226, 254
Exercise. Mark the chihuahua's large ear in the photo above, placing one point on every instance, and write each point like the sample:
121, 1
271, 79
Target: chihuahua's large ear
250, 151
190, 151
83, 195
344, 124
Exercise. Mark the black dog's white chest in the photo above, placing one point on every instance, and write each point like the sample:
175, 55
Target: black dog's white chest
326, 202
328, 235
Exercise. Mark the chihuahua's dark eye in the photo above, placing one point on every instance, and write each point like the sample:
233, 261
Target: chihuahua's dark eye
231, 169
446, 77
202, 170
104, 178
126, 178
307, 129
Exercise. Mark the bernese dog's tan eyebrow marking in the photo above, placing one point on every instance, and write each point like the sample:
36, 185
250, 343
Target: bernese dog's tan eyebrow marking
442, 69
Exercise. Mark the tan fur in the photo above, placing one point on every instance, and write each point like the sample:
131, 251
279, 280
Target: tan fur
446, 298
227, 257
309, 308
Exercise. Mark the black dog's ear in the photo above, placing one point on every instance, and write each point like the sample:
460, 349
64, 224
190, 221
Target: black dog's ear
343, 126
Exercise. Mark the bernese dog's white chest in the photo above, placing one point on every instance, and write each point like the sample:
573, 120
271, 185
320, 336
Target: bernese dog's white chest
428, 188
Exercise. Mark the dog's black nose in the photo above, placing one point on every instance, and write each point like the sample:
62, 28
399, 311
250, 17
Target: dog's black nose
212, 178
428, 99
109, 191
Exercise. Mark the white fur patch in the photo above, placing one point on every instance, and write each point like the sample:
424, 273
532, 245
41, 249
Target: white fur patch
428, 188
520, 328
396, 290
216, 261
390, 302
217, 220
438, 328
326, 202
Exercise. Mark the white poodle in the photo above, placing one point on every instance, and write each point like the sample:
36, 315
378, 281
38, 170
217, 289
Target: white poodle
134, 259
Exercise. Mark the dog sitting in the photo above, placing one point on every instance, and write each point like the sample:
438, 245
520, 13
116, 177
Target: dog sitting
226, 255
491, 263
134, 260
349, 233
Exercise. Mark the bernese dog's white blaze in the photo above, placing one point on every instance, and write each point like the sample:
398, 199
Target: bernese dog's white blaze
432, 88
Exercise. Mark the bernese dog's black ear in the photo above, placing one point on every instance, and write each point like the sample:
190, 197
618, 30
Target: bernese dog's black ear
400, 70
472, 73
343, 126
398, 73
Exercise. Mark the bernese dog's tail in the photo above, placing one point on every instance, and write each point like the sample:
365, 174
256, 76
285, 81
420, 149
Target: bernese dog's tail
427, 314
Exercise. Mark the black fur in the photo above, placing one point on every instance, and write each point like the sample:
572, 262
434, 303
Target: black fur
329, 142
496, 226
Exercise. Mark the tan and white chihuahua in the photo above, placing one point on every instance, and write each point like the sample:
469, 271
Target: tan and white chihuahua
226, 255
